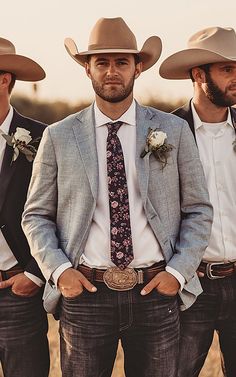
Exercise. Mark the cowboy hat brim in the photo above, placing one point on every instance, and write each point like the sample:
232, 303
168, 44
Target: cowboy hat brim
23, 68
149, 54
178, 65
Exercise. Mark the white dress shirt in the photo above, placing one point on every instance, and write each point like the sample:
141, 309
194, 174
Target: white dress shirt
7, 258
146, 248
218, 158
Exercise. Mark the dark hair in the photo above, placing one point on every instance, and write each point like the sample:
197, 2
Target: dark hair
13, 80
137, 59
204, 67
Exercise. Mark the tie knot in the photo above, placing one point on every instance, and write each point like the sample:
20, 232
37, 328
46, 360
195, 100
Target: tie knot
113, 127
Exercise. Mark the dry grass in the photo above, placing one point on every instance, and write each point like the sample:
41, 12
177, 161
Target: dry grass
211, 368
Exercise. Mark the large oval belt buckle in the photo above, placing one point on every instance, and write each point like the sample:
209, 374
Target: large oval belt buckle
120, 280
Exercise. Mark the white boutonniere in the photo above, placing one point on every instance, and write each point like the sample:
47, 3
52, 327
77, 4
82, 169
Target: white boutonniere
156, 143
22, 142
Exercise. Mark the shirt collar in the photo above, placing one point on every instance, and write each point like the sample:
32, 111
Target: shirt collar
129, 117
198, 123
5, 126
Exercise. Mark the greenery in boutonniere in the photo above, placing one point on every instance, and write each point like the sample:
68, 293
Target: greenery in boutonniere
234, 145
157, 145
22, 142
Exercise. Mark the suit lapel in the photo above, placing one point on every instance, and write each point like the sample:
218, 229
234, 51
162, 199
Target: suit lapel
144, 121
8, 169
185, 112
233, 116
84, 131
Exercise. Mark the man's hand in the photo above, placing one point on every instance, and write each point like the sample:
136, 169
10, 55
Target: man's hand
72, 283
163, 282
21, 285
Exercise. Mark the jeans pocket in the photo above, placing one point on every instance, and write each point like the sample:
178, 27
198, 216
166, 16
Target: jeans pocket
164, 295
74, 298
23, 297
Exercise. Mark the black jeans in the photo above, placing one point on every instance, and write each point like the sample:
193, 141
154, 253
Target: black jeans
23, 335
92, 324
215, 309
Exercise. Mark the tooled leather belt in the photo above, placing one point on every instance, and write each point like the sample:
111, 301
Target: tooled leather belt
122, 280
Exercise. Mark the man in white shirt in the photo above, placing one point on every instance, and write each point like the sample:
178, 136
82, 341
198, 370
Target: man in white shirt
210, 61
23, 321
118, 227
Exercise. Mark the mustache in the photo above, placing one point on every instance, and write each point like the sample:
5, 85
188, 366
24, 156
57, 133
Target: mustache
113, 81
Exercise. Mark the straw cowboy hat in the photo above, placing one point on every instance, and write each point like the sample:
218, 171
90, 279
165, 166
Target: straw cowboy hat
112, 35
23, 68
211, 45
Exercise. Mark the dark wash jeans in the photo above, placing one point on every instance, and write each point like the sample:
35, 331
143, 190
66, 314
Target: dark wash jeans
92, 324
215, 309
23, 335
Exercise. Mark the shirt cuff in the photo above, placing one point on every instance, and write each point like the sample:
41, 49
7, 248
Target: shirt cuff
34, 278
57, 273
177, 275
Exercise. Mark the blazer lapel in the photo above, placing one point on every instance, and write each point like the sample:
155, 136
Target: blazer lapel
144, 121
85, 136
185, 112
8, 168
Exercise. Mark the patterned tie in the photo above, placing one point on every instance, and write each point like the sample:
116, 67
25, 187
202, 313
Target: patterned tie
121, 240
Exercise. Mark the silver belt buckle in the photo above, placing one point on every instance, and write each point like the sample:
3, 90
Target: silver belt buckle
120, 280
209, 271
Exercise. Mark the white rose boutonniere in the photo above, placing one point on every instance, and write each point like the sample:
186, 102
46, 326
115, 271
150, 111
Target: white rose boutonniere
20, 142
156, 144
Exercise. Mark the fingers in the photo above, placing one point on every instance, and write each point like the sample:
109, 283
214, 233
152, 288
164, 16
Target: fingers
71, 283
150, 286
165, 282
200, 274
86, 283
6, 283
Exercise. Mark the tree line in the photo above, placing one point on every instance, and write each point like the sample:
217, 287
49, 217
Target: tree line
50, 112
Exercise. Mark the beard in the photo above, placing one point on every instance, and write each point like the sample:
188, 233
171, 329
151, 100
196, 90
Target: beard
113, 94
217, 96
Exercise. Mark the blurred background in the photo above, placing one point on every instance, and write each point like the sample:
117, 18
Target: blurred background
38, 30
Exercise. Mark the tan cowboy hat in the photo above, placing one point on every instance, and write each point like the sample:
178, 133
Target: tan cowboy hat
112, 35
23, 68
211, 45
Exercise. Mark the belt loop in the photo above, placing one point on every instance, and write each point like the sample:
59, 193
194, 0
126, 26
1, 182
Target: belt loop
4, 275
140, 276
93, 272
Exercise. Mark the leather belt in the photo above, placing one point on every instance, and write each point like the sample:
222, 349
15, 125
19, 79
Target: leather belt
122, 280
4, 275
217, 270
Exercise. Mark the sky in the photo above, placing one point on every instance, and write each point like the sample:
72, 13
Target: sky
38, 29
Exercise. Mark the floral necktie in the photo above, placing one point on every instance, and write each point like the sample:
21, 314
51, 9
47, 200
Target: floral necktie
121, 240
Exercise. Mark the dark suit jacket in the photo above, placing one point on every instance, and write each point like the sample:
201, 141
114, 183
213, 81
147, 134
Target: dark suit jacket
185, 112
14, 182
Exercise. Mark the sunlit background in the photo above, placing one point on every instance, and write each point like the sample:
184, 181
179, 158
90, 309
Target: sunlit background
38, 29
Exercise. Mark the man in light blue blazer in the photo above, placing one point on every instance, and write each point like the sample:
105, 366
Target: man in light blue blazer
118, 217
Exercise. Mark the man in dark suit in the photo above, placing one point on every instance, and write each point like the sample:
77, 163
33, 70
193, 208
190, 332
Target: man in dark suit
23, 321
210, 61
